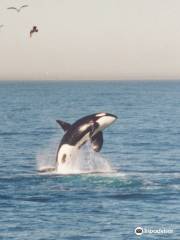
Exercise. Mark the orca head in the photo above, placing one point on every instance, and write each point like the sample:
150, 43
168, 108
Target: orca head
105, 119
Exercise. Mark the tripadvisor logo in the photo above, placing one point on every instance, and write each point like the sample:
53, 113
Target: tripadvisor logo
138, 231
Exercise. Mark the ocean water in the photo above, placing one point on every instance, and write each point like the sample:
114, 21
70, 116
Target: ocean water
142, 147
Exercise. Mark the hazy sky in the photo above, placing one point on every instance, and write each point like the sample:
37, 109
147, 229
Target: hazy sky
90, 39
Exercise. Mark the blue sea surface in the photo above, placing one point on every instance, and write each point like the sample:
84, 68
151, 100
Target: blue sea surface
143, 146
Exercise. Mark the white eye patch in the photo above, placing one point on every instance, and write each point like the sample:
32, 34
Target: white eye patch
100, 114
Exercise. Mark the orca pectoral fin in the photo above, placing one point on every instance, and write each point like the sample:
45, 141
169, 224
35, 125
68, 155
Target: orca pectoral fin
97, 141
65, 126
93, 128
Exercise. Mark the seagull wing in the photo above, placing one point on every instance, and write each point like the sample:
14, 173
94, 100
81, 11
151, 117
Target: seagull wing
14, 8
31, 33
23, 6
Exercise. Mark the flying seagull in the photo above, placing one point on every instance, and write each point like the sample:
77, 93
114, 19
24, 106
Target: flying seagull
17, 9
34, 29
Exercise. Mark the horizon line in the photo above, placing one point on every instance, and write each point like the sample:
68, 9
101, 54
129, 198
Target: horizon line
88, 80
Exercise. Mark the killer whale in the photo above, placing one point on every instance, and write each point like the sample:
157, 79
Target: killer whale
77, 134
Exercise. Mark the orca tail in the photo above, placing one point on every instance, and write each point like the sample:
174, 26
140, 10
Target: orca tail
46, 170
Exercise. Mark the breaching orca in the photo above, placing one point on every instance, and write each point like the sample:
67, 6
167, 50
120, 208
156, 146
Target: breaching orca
78, 133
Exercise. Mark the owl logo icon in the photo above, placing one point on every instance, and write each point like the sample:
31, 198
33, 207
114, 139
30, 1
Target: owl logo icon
138, 231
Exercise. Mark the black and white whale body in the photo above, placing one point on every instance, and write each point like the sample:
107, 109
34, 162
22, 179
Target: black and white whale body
77, 134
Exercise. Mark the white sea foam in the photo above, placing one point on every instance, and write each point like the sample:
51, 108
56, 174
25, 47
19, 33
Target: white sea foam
84, 161
46, 157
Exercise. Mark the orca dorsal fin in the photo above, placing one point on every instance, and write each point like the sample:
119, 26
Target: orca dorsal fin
97, 141
65, 126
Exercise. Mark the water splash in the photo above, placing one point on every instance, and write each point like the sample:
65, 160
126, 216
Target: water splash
45, 159
84, 161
